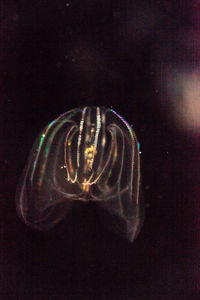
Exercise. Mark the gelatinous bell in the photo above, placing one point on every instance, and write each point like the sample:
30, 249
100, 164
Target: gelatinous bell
86, 154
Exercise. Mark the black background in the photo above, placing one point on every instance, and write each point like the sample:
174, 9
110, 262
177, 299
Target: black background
57, 55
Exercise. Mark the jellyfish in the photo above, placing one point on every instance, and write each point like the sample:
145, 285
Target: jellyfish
88, 154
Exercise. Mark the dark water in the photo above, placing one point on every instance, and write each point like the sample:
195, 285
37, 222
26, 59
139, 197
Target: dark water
58, 55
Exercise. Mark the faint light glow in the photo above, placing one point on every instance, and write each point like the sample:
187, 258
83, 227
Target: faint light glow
184, 92
147, 187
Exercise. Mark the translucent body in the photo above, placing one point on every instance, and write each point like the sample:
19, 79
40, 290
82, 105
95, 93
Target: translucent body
86, 154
